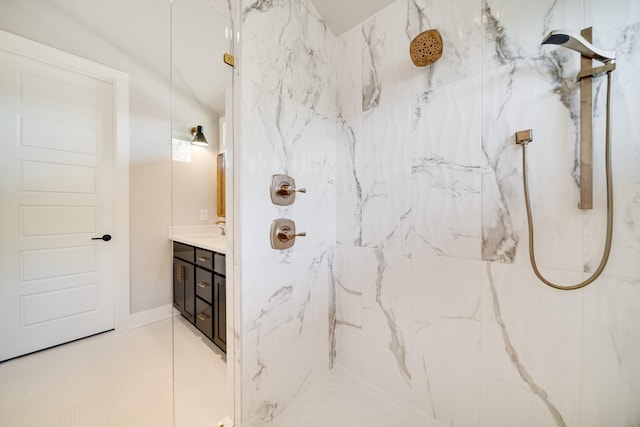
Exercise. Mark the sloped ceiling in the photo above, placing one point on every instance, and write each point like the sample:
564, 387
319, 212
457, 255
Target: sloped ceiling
341, 15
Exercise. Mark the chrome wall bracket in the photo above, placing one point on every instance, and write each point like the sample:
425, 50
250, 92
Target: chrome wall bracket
524, 136
283, 190
283, 233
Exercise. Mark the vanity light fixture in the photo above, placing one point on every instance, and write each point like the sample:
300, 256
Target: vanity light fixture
198, 136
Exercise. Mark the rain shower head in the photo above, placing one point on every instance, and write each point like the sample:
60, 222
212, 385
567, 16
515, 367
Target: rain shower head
580, 44
426, 48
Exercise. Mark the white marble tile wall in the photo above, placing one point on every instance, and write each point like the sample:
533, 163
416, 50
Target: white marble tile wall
485, 343
414, 174
610, 372
285, 330
531, 349
288, 110
445, 362
287, 48
446, 170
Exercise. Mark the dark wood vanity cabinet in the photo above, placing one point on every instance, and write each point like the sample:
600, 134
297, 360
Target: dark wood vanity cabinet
220, 312
199, 290
183, 280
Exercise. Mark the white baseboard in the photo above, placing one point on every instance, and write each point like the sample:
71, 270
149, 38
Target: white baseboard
146, 317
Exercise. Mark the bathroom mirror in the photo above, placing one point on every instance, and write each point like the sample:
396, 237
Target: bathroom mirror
221, 184
201, 85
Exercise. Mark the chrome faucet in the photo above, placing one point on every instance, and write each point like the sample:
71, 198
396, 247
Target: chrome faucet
223, 231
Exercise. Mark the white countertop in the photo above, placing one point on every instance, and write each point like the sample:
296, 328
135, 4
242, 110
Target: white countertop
209, 241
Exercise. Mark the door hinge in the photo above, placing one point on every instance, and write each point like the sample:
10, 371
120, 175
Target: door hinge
228, 59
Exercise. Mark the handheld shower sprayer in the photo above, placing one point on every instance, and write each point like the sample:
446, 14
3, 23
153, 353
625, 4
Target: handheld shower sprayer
582, 44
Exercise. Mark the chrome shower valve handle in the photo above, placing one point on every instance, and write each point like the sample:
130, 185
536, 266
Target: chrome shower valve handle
283, 233
283, 190
286, 190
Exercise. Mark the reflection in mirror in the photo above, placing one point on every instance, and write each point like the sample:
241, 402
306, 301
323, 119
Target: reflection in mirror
200, 87
221, 182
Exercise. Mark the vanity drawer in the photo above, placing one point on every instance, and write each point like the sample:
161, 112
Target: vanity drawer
182, 251
204, 258
204, 318
204, 284
219, 264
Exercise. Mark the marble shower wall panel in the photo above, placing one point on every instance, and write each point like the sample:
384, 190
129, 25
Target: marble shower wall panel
372, 320
286, 330
288, 105
284, 137
625, 147
430, 295
609, 15
348, 181
386, 320
349, 291
287, 48
349, 54
531, 345
513, 30
611, 335
445, 357
527, 95
446, 173
383, 165
460, 24
386, 67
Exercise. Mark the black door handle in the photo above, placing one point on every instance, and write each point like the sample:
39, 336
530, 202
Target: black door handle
106, 238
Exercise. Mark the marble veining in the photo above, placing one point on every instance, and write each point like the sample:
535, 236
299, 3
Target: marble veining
349, 291
290, 299
504, 51
432, 407
384, 167
258, 5
499, 240
333, 282
446, 171
348, 142
515, 359
397, 344
371, 88
281, 297
304, 72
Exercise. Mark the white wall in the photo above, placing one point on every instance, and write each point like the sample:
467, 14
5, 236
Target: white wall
133, 37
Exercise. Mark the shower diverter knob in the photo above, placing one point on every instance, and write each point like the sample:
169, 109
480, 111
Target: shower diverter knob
283, 234
283, 190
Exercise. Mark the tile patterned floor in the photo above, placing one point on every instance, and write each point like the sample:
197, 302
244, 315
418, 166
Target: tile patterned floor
120, 379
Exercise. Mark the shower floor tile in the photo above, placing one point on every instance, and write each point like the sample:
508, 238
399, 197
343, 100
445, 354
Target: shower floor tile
341, 399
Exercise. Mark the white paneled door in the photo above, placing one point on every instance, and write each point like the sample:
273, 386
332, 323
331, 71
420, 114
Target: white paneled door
56, 196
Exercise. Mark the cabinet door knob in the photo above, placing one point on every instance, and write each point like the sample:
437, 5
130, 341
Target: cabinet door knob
203, 316
202, 259
203, 285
